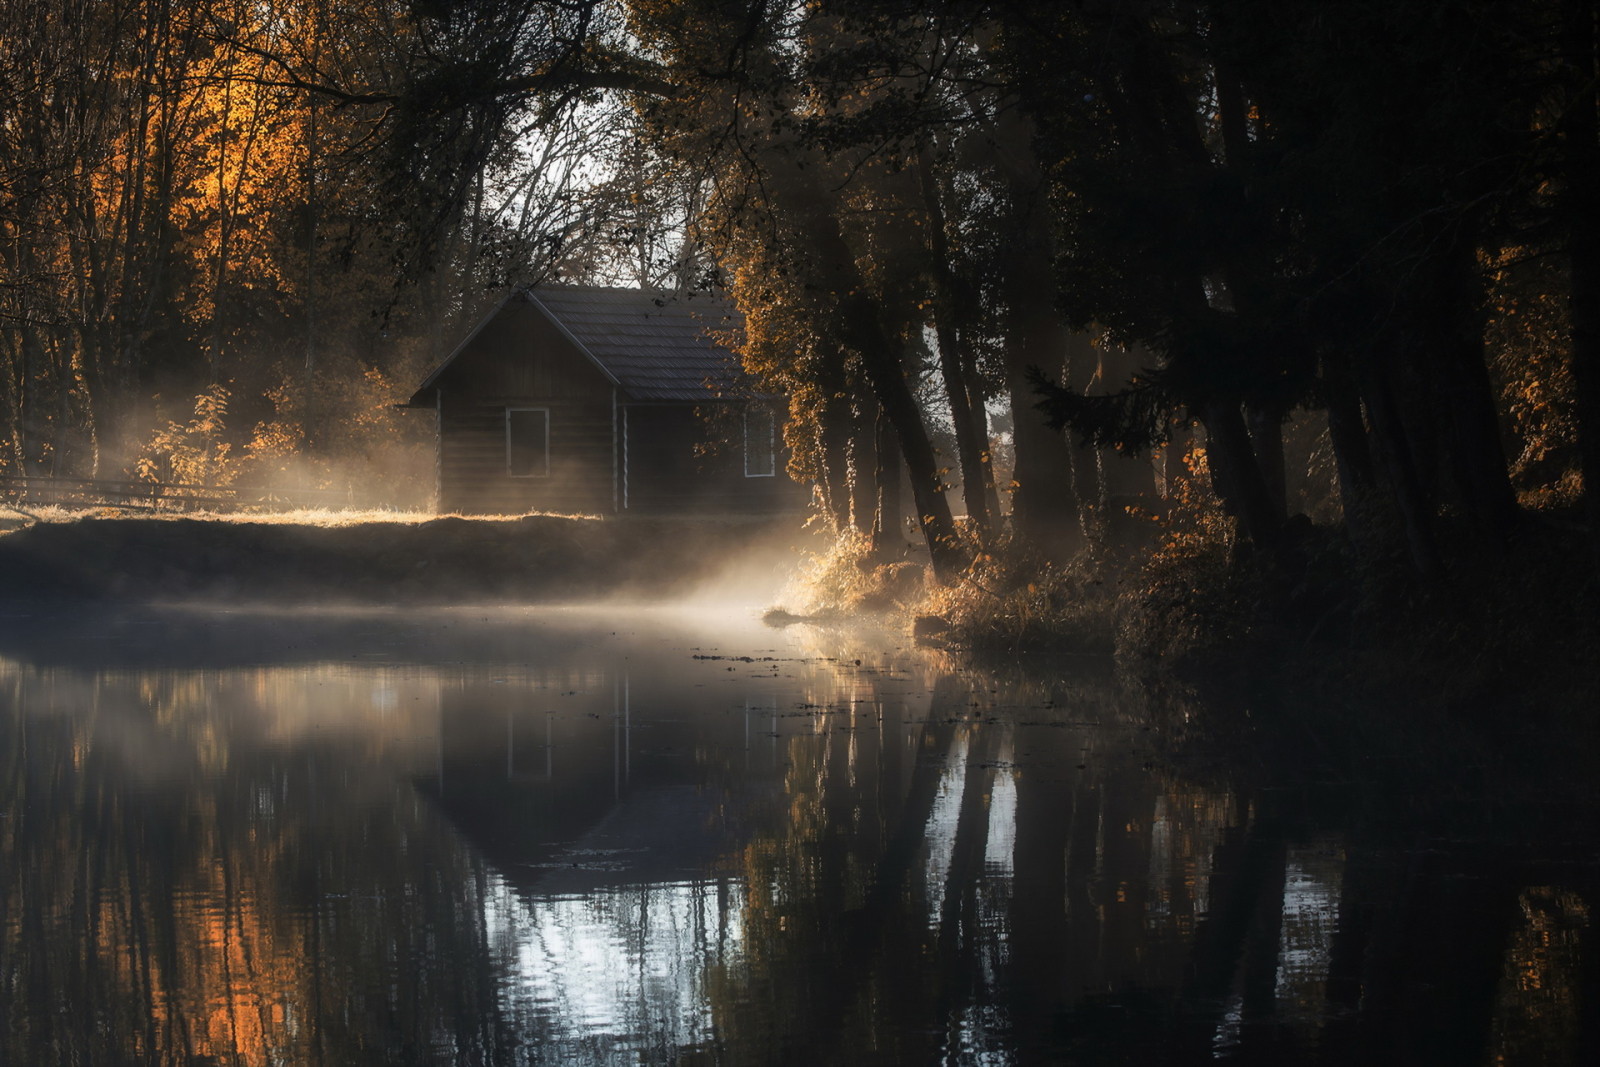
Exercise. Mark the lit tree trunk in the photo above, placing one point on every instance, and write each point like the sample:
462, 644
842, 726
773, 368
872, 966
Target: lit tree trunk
977, 480
855, 317
886, 535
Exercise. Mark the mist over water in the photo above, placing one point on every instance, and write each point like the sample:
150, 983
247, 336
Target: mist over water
662, 835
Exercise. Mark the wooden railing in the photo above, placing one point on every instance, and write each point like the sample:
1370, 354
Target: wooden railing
158, 496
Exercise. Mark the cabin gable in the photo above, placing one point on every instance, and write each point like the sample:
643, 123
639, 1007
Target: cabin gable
520, 354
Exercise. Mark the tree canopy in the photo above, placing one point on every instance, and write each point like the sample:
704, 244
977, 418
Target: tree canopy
1056, 258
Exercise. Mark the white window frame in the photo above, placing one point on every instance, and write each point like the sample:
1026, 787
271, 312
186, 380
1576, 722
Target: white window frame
545, 473
771, 418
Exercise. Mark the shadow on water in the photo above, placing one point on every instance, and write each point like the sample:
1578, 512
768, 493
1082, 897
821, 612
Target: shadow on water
648, 836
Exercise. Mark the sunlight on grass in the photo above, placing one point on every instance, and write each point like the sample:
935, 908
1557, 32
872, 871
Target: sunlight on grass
842, 579
14, 515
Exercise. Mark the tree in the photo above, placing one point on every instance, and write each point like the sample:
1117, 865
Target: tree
1288, 205
743, 95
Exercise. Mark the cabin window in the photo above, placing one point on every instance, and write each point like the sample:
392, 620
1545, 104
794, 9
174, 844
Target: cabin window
760, 442
527, 442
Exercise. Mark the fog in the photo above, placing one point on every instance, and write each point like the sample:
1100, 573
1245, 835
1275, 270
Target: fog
240, 561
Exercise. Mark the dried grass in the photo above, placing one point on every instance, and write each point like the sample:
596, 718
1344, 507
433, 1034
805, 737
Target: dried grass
320, 517
1011, 597
843, 578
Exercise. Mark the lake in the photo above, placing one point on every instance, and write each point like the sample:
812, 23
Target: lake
649, 836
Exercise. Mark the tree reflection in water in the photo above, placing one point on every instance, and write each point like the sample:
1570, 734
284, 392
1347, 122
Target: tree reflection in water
694, 840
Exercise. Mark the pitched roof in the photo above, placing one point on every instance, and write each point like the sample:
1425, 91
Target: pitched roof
654, 345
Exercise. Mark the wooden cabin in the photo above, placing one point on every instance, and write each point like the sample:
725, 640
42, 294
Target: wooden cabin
590, 400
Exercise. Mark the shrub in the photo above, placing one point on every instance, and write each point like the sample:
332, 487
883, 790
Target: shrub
845, 578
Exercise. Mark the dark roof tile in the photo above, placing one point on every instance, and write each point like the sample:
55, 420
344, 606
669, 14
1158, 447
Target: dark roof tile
657, 346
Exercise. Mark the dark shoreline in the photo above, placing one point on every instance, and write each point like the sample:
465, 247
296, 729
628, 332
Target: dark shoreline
451, 560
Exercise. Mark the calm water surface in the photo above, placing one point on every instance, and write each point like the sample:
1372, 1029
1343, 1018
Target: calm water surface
642, 837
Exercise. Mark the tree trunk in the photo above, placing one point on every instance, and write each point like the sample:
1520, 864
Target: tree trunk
1083, 372
1580, 209
1237, 475
1266, 437
855, 318
887, 538
313, 211
1045, 510
972, 447
1125, 477
860, 322
833, 452
1477, 456
1043, 499
1352, 452
835, 422
1394, 452
864, 465
978, 391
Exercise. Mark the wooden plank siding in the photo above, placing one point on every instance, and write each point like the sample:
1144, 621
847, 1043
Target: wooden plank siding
520, 360
473, 474
673, 465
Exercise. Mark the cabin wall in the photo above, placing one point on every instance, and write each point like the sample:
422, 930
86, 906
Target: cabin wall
473, 474
676, 465
520, 360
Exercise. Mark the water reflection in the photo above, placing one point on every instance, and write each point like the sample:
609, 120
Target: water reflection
575, 838
616, 975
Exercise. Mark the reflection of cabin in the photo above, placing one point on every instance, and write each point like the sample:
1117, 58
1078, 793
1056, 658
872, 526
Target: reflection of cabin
581, 399
558, 785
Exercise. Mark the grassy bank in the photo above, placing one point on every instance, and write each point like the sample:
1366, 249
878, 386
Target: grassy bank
1513, 628
371, 560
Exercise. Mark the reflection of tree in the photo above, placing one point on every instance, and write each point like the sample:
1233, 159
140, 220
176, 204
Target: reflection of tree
934, 865
944, 879
1539, 1007
615, 976
159, 903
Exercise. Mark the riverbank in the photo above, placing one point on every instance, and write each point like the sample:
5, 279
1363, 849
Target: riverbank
1485, 678
1516, 630
1502, 633
1466, 700
1512, 627
448, 560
